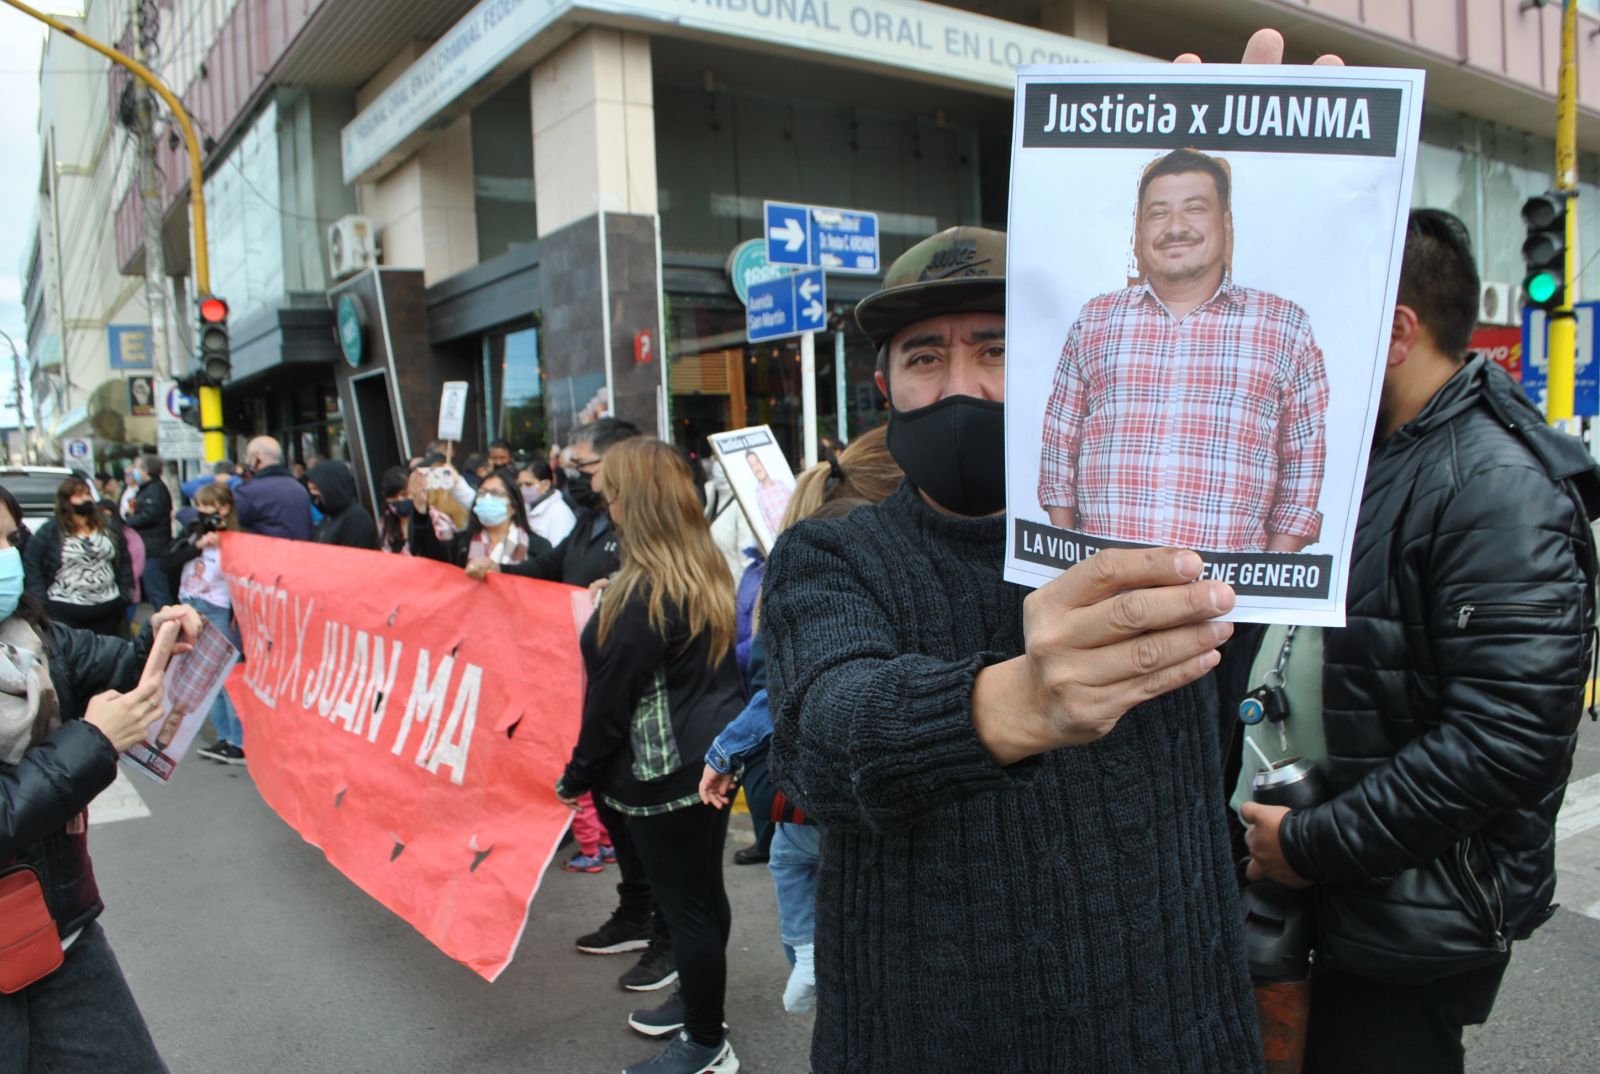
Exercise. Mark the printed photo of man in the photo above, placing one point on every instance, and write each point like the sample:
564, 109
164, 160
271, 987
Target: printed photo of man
1187, 409
772, 496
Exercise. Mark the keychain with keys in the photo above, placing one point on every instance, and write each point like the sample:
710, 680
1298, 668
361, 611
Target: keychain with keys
1269, 702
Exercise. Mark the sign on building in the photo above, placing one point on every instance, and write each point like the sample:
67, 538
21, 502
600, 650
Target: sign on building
130, 346
1536, 360
175, 438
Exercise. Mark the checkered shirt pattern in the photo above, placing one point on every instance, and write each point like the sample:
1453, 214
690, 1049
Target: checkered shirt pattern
773, 500
190, 675
1205, 433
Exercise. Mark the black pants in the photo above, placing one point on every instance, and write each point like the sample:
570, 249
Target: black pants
683, 852
759, 791
1370, 1027
110, 618
634, 891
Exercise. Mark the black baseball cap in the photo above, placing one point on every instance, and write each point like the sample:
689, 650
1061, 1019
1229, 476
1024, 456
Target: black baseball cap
959, 270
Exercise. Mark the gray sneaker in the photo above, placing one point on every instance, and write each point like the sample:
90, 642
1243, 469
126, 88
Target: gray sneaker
684, 1056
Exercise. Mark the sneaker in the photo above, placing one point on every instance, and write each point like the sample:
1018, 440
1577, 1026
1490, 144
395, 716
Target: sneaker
608, 853
228, 753
663, 1021
684, 1056
657, 969
584, 863
213, 752
617, 936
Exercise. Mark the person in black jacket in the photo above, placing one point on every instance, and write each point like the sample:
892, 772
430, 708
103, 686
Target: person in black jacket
662, 684
498, 530
78, 567
333, 489
150, 517
58, 750
1451, 700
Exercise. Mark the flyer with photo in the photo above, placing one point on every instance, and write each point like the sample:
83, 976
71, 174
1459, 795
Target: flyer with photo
1201, 276
188, 689
761, 479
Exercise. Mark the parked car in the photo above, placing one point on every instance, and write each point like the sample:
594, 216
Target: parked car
35, 488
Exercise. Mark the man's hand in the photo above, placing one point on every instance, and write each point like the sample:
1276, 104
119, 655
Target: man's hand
1283, 542
1064, 517
716, 788
417, 489
1116, 630
481, 568
1266, 46
1266, 852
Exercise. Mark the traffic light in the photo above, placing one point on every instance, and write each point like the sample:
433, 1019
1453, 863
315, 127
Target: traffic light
214, 360
189, 386
1544, 252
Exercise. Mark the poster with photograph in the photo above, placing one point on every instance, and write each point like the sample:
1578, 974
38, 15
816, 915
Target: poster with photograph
1201, 274
188, 689
142, 397
761, 479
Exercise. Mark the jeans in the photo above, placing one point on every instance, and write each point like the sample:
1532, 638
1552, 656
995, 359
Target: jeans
683, 852
157, 586
82, 1019
793, 866
223, 716
1378, 1028
636, 901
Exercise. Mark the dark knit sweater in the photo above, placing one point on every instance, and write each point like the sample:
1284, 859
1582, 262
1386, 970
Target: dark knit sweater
1072, 913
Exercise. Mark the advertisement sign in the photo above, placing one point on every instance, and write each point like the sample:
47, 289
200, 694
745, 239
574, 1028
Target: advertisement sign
1181, 367
389, 719
79, 454
175, 438
142, 397
130, 346
1502, 346
761, 479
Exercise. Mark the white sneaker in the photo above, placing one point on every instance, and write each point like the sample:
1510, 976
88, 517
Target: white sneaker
801, 991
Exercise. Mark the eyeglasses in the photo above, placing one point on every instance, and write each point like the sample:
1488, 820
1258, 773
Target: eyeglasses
582, 465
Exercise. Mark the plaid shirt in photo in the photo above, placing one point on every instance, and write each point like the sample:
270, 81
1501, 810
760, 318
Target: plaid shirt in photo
190, 675
1206, 433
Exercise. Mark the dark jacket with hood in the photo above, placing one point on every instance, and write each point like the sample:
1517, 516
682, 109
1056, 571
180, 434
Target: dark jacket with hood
588, 553
1451, 699
151, 517
274, 504
346, 522
56, 779
42, 559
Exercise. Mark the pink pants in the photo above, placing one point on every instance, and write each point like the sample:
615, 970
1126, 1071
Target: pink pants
587, 829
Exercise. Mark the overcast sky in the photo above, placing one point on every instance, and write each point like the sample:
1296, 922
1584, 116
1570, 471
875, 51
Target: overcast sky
21, 41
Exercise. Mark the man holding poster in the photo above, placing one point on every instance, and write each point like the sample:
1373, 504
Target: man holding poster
1187, 409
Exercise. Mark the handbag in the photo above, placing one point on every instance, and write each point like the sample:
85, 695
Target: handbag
30, 945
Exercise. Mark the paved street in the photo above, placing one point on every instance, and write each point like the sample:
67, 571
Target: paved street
250, 954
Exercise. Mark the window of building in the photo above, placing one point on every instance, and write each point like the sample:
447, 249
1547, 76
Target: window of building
243, 198
514, 367
502, 169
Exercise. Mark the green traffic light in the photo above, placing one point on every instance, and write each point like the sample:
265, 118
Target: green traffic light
1541, 287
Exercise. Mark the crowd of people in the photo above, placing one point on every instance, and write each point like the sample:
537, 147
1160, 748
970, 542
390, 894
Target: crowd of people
997, 822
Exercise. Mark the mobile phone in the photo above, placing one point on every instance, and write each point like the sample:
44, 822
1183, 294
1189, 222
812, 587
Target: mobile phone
160, 653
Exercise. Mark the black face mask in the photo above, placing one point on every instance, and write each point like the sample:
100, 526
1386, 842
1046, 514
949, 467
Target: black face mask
955, 451
86, 508
402, 508
582, 491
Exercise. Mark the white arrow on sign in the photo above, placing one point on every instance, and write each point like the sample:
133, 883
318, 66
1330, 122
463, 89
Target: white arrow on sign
809, 289
813, 312
791, 234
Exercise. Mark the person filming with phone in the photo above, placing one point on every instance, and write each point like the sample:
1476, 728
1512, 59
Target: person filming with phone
70, 702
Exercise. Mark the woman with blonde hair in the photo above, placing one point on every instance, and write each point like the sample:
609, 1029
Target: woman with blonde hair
662, 684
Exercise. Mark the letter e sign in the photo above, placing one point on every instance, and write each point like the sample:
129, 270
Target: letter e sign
643, 347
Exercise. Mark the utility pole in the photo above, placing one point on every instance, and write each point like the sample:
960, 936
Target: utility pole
155, 289
1563, 325
22, 424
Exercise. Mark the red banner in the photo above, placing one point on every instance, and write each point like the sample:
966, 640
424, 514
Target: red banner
1503, 346
412, 724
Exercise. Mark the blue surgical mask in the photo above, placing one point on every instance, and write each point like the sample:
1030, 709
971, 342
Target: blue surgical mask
10, 581
491, 510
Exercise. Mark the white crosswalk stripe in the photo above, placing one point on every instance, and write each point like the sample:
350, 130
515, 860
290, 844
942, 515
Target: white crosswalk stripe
120, 801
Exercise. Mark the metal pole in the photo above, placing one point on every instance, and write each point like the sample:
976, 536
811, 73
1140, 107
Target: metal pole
808, 395
1563, 327
155, 292
16, 368
839, 386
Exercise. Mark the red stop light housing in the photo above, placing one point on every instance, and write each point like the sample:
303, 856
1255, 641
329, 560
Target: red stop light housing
213, 310
215, 364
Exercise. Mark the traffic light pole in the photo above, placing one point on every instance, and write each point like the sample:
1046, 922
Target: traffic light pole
1563, 327
210, 398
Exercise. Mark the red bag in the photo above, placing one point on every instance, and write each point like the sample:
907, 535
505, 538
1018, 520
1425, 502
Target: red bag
30, 946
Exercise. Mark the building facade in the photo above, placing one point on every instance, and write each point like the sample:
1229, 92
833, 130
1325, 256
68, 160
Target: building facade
562, 196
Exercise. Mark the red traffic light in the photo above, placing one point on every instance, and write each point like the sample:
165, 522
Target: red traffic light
213, 310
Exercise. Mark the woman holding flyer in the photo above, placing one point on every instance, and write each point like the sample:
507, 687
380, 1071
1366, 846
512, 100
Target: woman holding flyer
63, 999
197, 560
663, 683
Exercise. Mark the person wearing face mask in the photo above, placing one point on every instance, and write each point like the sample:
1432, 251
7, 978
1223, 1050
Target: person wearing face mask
345, 522
272, 503
1033, 876
151, 518
78, 566
394, 524
63, 724
496, 533
548, 513
197, 561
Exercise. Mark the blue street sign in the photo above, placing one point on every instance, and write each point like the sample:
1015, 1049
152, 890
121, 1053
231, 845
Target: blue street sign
787, 306
840, 240
1536, 359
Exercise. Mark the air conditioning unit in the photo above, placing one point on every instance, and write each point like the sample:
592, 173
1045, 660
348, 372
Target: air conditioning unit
1497, 304
352, 246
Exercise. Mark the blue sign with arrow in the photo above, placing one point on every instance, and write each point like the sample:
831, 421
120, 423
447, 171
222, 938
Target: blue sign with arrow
788, 306
840, 240
1536, 359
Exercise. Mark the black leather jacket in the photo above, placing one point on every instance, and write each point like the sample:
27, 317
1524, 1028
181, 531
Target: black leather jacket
1452, 697
56, 779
